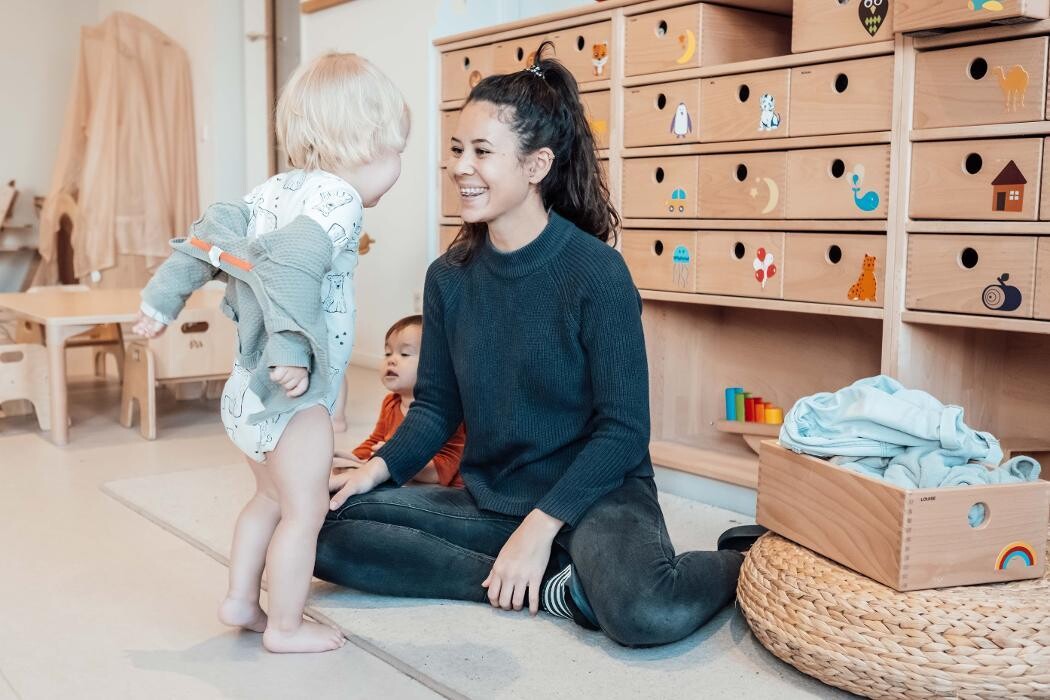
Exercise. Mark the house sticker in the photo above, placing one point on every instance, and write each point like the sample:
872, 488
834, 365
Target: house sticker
1008, 189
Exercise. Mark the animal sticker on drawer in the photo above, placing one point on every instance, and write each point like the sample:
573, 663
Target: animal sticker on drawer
869, 201
1002, 296
866, 287
599, 57
1014, 83
1008, 189
681, 123
872, 14
769, 118
989, 5
680, 270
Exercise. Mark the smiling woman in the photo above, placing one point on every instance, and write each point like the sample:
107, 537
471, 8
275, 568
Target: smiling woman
532, 338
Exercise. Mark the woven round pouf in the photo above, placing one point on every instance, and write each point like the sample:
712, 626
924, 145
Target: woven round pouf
854, 633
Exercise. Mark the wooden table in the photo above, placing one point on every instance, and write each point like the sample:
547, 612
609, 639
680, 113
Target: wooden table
65, 314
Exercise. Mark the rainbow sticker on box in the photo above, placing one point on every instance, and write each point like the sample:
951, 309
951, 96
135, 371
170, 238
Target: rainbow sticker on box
1015, 550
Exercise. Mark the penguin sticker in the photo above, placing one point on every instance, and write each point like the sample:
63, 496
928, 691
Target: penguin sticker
682, 124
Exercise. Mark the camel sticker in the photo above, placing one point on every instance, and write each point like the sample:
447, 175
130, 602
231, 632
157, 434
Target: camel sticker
1014, 83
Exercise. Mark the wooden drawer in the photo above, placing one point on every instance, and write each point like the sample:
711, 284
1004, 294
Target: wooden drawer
462, 70
446, 234
660, 187
747, 106
985, 179
664, 260
838, 183
835, 268
1042, 280
448, 124
828, 24
449, 194
992, 275
1044, 186
666, 113
913, 15
984, 84
515, 54
743, 185
586, 50
842, 98
728, 262
695, 35
598, 107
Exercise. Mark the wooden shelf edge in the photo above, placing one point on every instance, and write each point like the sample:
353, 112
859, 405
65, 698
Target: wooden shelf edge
451, 105
795, 60
980, 35
793, 225
869, 138
804, 307
721, 466
994, 228
744, 428
450, 221
986, 131
991, 323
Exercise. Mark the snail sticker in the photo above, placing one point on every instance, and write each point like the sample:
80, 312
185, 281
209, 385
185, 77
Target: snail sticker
680, 271
873, 14
1002, 296
764, 267
870, 200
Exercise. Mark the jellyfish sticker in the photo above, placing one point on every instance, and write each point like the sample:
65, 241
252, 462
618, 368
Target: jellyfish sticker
680, 271
764, 267
870, 200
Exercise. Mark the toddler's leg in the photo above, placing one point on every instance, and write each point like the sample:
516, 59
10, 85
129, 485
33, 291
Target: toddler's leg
339, 410
299, 467
255, 527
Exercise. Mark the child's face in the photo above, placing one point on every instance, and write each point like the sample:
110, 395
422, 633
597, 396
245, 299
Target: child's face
398, 372
374, 179
485, 164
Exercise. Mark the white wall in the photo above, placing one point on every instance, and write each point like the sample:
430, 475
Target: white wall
399, 41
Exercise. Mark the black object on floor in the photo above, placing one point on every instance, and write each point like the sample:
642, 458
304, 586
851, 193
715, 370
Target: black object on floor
741, 537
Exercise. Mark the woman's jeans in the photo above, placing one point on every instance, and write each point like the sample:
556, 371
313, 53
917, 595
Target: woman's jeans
434, 542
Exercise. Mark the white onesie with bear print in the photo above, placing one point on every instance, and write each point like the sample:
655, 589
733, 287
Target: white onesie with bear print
336, 206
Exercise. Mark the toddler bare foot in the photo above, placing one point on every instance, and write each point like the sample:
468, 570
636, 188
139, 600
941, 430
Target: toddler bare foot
242, 613
307, 638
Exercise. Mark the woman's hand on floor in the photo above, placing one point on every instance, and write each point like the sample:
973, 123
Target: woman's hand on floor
522, 562
355, 481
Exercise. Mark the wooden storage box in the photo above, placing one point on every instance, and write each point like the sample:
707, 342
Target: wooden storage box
828, 24
907, 539
746, 106
662, 187
984, 84
462, 70
743, 185
1042, 288
980, 179
515, 54
923, 15
833, 268
992, 275
727, 262
449, 194
598, 107
842, 98
662, 114
1044, 186
851, 182
663, 260
689, 36
586, 51
446, 234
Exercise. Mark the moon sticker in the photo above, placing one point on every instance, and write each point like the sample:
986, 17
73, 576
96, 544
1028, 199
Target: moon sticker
688, 42
774, 195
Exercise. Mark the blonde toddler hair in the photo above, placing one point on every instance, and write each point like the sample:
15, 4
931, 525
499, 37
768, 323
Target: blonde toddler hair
340, 111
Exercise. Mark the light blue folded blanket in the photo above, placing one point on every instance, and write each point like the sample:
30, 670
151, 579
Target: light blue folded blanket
905, 436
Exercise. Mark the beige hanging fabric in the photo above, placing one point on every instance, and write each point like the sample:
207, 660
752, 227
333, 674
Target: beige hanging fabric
127, 154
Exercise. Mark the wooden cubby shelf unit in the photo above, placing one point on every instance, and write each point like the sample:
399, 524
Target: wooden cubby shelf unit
778, 345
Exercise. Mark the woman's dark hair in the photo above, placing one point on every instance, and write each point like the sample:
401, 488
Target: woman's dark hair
543, 108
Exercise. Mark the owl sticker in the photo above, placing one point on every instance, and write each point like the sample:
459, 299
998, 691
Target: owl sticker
873, 14
681, 124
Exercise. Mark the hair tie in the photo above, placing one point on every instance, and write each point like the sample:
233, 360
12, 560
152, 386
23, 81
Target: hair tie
535, 70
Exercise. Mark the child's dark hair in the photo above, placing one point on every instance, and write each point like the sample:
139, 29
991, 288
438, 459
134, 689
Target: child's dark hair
404, 323
543, 108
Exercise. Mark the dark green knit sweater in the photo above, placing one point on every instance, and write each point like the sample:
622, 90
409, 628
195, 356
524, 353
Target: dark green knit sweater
540, 353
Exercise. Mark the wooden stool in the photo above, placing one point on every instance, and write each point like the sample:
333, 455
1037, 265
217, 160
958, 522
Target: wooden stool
198, 347
24, 375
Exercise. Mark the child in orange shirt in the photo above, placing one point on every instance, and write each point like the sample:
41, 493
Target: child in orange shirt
398, 374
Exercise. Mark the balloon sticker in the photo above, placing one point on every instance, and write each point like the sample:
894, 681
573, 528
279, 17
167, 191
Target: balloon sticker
764, 267
680, 273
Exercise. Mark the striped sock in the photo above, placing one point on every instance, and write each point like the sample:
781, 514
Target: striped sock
555, 593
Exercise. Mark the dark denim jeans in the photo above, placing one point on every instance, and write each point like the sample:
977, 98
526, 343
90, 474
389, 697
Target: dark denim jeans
434, 542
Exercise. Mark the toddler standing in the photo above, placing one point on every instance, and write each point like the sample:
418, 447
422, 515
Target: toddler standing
289, 253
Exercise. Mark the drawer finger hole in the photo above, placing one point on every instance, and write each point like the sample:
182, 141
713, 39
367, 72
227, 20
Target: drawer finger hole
834, 255
520, 53
659, 175
741, 172
661, 29
661, 101
739, 250
978, 68
973, 163
466, 63
978, 515
580, 43
838, 168
743, 93
841, 83
968, 258
658, 247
